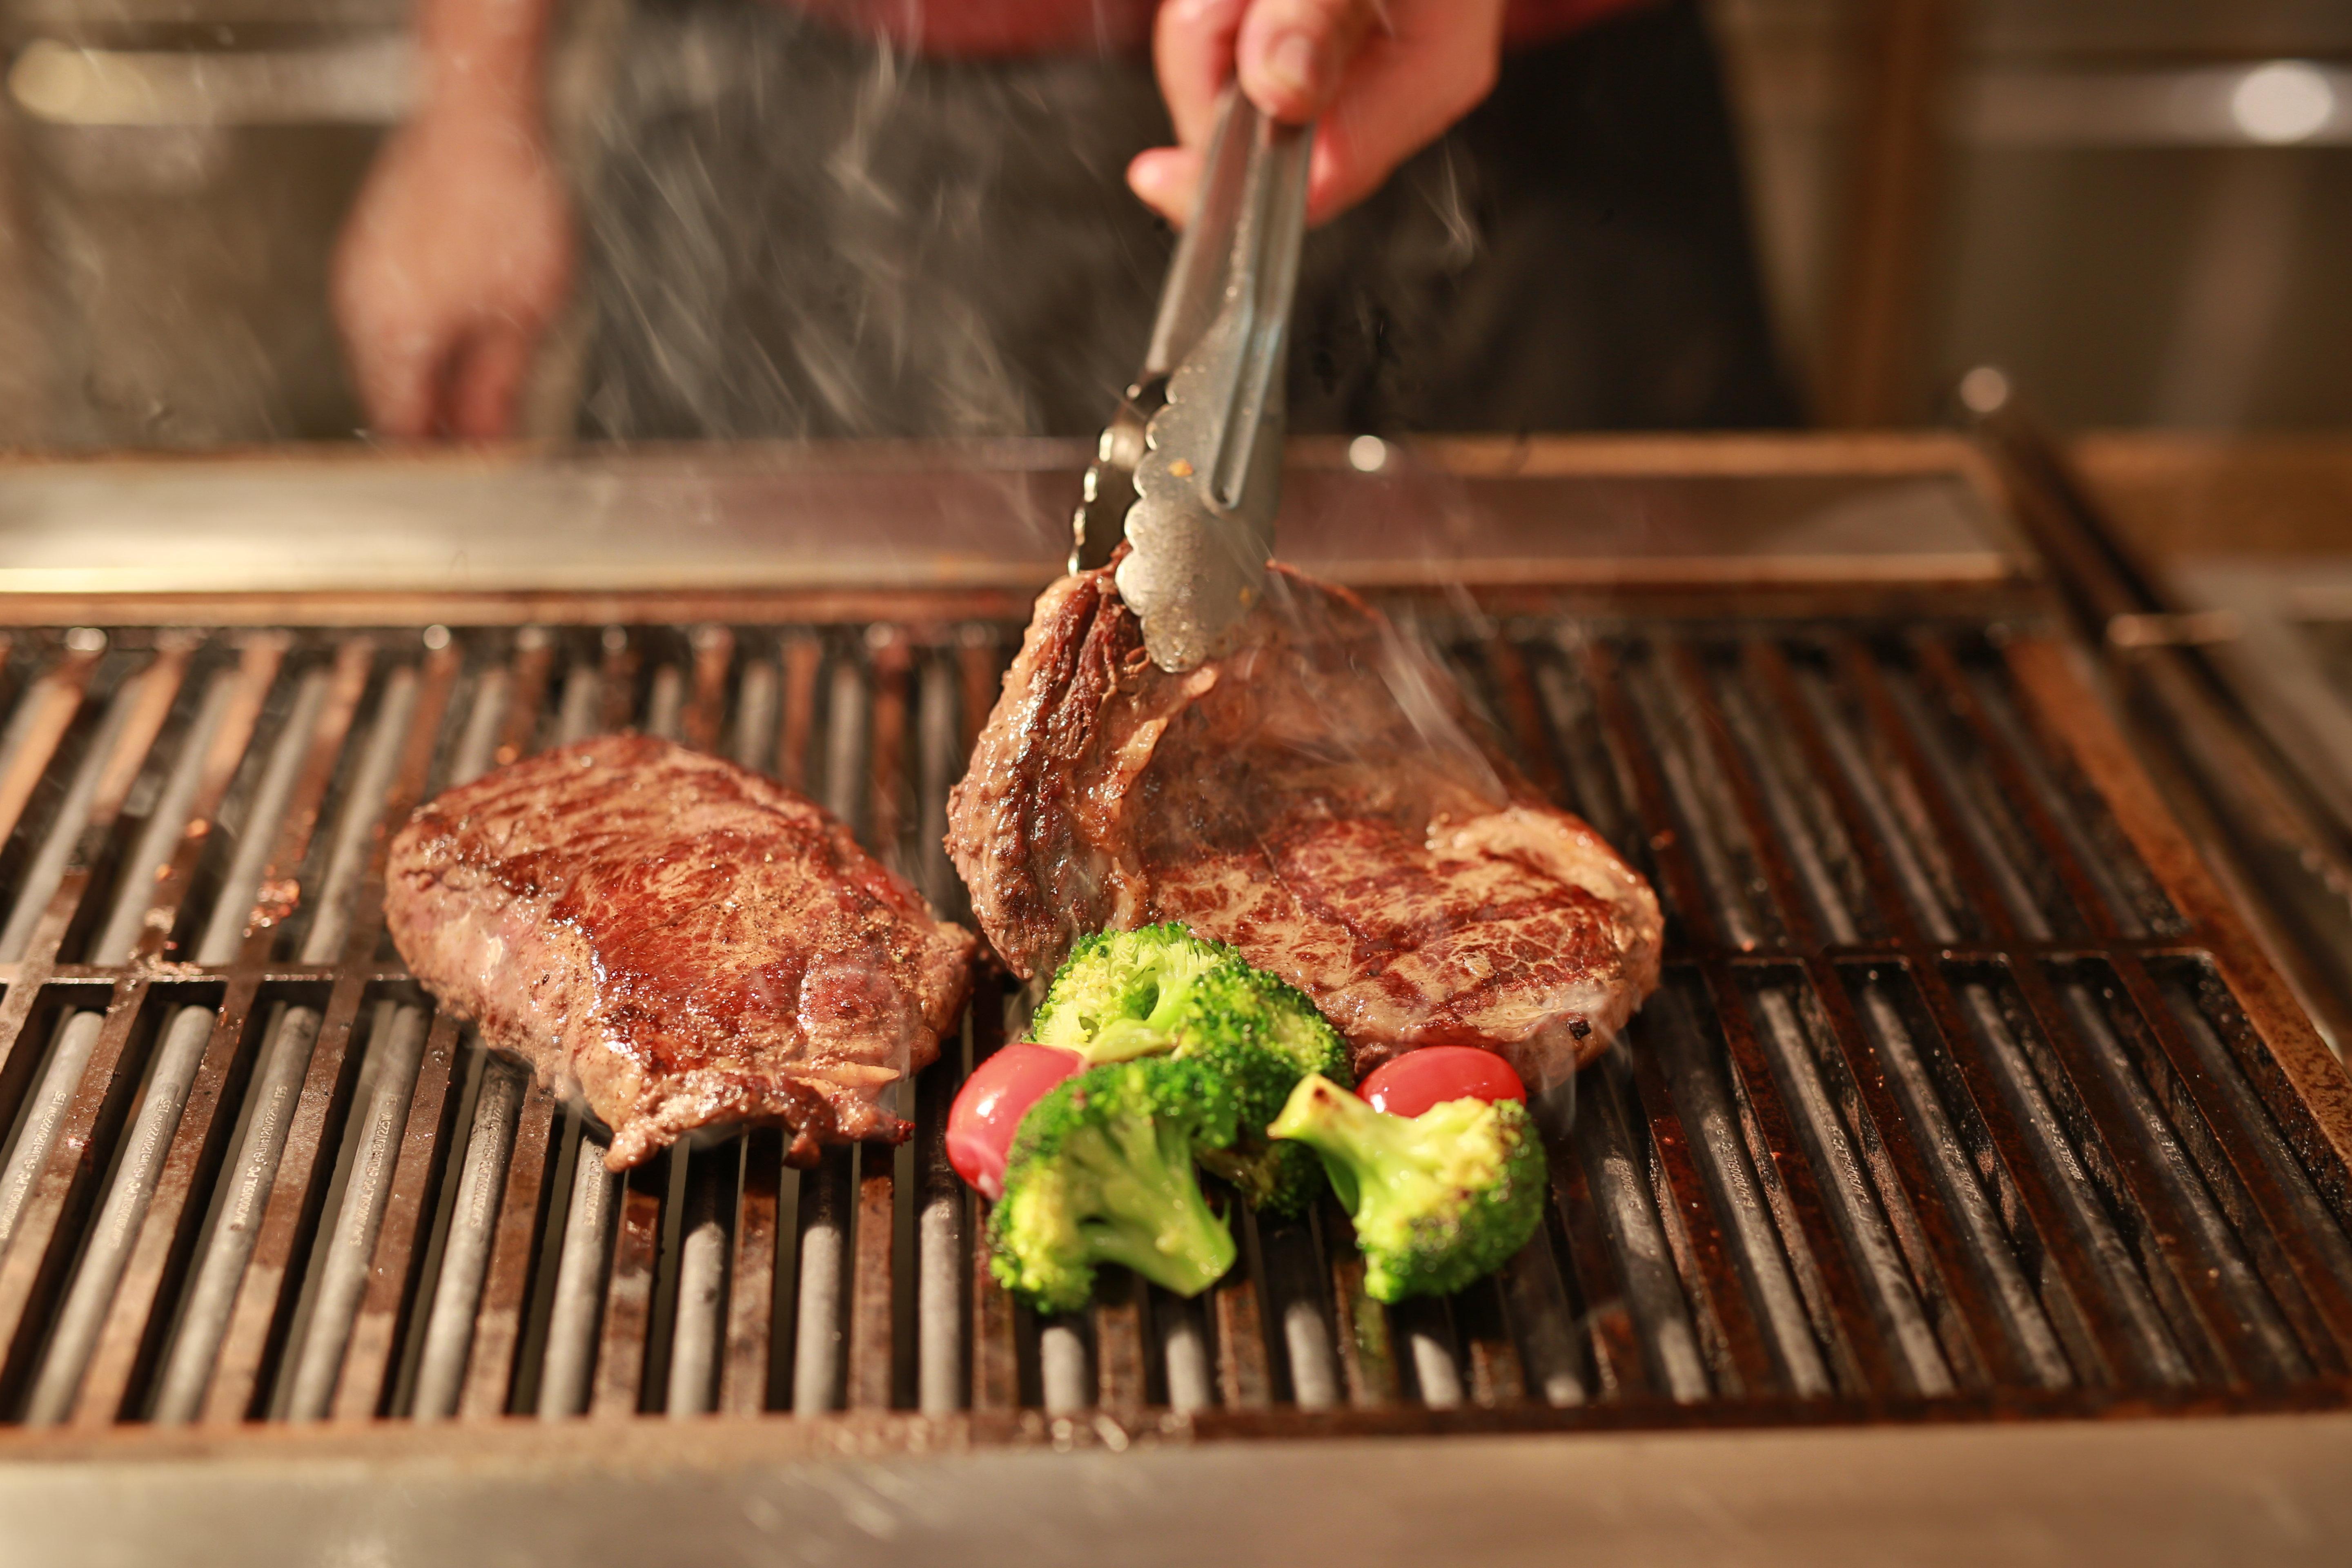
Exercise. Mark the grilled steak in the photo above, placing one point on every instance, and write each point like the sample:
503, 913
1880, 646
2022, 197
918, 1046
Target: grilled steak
679, 941
1313, 797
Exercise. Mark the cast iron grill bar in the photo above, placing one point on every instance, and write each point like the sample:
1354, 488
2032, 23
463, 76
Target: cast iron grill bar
1244, 1380
2184, 1212
1600, 1157
1534, 1300
473, 1366
465, 1246
996, 1327
942, 1376
1875, 1219
54, 881
1367, 1358
1290, 1261
1749, 1191
879, 1285
618, 1373
1926, 1107
1936, 1168
272, 843
1976, 1122
2276, 1050
568, 1300
343, 1363
2024, 788
2220, 1332
2180, 1131
175, 839
139, 1315
392, 1295
1704, 922
1639, 1300
1612, 1344
2290, 1236
704, 1243
1499, 1377
2101, 1064
50, 1169
39, 725
1653, 1349
349, 897
298, 790
1846, 1332
2306, 1257
1889, 1329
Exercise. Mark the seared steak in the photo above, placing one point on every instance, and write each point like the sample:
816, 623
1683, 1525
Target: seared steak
1314, 798
679, 941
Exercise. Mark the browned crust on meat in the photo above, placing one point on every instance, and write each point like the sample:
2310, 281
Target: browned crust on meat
1284, 799
679, 941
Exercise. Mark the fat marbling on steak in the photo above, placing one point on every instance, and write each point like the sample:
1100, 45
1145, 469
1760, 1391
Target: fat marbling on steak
679, 941
1315, 798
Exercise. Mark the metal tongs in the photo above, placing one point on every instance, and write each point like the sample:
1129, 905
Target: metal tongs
1189, 470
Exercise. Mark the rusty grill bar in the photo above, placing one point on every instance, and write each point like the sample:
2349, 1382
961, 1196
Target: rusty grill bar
1966, 1088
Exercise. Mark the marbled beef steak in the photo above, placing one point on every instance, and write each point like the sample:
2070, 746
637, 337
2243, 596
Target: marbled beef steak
1315, 799
679, 941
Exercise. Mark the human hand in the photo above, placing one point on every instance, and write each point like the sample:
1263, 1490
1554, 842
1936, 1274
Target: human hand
1382, 81
455, 260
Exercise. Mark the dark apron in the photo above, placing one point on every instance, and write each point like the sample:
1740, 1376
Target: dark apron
796, 234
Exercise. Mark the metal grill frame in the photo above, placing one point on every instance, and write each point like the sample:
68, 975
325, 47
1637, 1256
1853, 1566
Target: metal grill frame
928, 681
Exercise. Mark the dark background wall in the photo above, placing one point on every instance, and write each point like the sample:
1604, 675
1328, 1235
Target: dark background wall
2086, 205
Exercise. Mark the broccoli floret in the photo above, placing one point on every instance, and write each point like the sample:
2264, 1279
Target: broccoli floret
1282, 1180
1438, 1199
1162, 989
1124, 994
1265, 1039
1101, 1172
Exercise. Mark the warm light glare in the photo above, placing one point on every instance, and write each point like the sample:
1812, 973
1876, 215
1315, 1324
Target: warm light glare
2286, 101
1984, 390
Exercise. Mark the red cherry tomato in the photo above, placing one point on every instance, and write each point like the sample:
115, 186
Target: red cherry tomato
991, 1104
1412, 1083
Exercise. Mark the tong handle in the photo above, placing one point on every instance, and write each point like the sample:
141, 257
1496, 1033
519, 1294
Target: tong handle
1224, 316
1230, 282
1195, 286
1263, 278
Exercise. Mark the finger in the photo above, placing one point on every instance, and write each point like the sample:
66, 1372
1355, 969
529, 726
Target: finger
1192, 52
398, 372
1167, 179
391, 348
1292, 55
486, 384
1399, 95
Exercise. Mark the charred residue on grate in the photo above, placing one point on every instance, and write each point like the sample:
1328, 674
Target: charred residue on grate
1946, 1095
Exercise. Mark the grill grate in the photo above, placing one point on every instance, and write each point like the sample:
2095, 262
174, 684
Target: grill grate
1964, 1089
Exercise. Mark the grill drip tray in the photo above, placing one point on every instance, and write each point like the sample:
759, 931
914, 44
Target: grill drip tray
1966, 1093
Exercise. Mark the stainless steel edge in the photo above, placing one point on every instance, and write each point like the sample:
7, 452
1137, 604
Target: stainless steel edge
2146, 1494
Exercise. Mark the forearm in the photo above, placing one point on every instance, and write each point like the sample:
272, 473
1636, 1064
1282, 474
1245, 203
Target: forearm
484, 55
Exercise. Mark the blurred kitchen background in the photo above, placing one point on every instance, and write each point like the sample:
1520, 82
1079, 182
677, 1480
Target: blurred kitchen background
2141, 208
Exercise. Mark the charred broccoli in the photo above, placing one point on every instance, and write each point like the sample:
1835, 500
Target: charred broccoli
1162, 989
1101, 1172
1438, 1199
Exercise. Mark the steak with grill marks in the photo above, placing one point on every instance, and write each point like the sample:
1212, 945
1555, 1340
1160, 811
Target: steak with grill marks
680, 942
1315, 797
